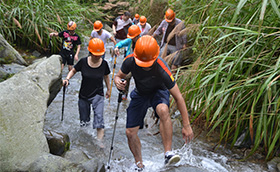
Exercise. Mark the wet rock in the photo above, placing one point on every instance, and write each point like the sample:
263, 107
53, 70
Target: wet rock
8, 54
94, 165
36, 53
274, 164
49, 162
58, 143
76, 156
23, 103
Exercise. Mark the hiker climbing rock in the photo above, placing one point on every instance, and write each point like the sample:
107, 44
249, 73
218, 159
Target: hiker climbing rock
176, 42
154, 83
70, 40
94, 70
104, 35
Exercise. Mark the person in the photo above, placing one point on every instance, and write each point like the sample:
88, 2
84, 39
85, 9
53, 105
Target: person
143, 25
70, 40
136, 19
176, 43
94, 70
154, 84
120, 27
132, 36
104, 35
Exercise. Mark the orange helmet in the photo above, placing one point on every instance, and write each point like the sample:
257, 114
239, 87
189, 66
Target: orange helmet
97, 25
71, 25
146, 51
133, 31
96, 47
143, 20
136, 16
169, 15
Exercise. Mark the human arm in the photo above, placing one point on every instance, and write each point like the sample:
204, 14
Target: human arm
69, 76
107, 82
159, 30
121, 44
54, 34
118, 82
113, 40
114, 29
77, 52
187, 131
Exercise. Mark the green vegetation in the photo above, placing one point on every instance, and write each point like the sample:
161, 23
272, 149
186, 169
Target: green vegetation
28, 23
234, 83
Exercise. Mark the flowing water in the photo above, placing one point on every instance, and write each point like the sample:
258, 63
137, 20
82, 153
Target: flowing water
196, 156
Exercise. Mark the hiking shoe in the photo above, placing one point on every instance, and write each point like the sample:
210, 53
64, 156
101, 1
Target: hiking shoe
84, 124
137, 168
171, 159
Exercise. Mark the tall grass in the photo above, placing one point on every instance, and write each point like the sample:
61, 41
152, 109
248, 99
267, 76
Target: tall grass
29, 22
234, 84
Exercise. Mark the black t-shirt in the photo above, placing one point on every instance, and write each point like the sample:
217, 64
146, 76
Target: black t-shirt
92, 78
69, 42
168, 31
147, 82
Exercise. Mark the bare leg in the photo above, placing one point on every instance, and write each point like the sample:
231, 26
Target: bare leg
135, 145
100, 133
165, 126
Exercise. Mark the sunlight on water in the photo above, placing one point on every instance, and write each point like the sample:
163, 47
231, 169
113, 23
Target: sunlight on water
188, 159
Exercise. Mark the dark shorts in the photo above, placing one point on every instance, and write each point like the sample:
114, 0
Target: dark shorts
139, 105
67, 57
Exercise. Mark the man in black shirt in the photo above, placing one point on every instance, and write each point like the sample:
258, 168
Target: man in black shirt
154, 83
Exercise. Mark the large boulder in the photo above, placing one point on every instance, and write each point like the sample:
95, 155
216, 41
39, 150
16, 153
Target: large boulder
23, 103
8, 53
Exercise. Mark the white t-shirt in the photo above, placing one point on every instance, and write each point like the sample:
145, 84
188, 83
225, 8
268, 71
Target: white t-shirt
144, 31
104, 36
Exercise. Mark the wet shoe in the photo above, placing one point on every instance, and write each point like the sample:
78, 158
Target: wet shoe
171, 158
84, 124
137, 168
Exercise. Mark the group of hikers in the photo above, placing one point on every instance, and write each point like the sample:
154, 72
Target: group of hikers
153, 77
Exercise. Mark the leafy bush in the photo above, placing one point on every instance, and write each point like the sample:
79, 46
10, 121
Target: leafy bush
28, 22
234, 83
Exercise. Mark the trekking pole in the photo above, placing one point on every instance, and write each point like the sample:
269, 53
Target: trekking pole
114, 67
116, 118
63, 98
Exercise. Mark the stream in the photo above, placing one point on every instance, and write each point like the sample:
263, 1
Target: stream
197, 156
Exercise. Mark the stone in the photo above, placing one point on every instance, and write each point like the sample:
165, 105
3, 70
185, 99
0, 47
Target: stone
58, 143
23, 104
8, 53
